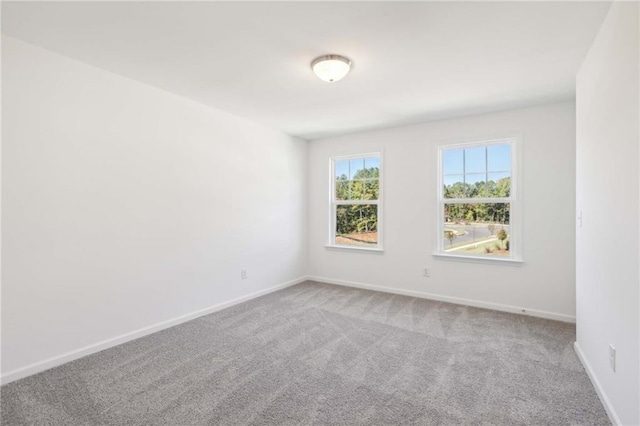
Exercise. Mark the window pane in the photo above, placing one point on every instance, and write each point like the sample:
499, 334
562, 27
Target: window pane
342, 189
475, 185
453, 186
356, 190
475, 160
342, 169
372, 164
477, 229
477, 189
351, 177
499, 157
472, 178
452, 162
499, 184
372, 190
356, 167
357, 225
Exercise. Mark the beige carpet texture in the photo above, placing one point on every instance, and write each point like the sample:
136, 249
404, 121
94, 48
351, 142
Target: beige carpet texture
319, 354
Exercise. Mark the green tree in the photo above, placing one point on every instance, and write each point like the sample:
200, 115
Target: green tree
502, 235
342, 187
503, 187
457, 190
469, 216
352, 219
482, 212
450, 235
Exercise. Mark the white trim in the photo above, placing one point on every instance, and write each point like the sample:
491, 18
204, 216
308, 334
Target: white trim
608, 408
55, 361
478, 258
354, 248
450, 299
356, 156
514, 199
333, 203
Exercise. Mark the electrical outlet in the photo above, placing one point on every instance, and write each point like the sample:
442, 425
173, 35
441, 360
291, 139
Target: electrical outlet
612, 358
426, 272
243, 274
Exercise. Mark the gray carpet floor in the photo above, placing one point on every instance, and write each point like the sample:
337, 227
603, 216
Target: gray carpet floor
322, 354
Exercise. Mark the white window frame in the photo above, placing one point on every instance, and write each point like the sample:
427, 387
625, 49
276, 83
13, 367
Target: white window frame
515, 215
333, 203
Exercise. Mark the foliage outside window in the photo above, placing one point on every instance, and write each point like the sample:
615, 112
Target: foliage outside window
356, 201
477, 200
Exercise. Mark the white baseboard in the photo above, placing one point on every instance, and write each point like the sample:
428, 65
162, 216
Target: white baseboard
596, 384
450, 299
123, 338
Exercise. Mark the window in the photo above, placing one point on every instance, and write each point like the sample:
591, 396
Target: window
356, 202
477, 200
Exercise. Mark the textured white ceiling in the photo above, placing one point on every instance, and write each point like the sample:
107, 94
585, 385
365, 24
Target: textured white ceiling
413, 61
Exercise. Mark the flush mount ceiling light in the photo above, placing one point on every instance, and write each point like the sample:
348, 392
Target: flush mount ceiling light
331, 68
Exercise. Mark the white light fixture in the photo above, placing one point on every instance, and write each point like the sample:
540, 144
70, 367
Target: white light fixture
331, 68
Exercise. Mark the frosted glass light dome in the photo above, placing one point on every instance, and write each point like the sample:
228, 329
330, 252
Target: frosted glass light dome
331, 68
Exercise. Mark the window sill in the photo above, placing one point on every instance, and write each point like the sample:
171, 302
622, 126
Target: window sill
354, 248
479, 259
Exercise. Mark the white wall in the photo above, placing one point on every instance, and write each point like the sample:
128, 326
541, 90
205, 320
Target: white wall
544, 284
607, 192
125, 206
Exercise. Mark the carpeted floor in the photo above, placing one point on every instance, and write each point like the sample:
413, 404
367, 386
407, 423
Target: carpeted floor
321, 354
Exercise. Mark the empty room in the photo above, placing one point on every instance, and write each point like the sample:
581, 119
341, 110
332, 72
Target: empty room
320, 213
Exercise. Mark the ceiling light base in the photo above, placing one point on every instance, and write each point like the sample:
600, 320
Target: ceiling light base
331, 68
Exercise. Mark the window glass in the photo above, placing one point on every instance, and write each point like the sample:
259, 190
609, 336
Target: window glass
452, 163
357, 225
355, 206
476, 200
499, 158
475, 160
481, 228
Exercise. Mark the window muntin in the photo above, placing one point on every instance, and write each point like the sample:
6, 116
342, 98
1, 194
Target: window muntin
476, 198
355, 201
